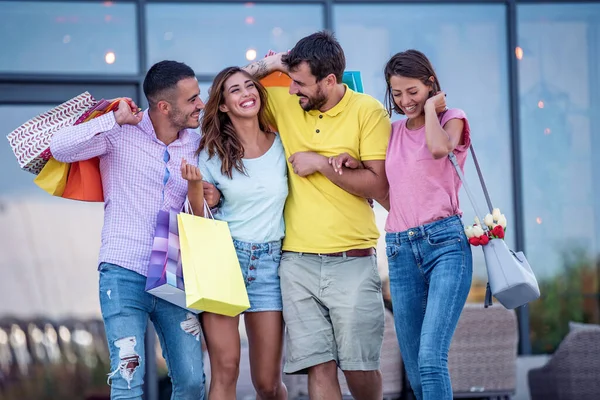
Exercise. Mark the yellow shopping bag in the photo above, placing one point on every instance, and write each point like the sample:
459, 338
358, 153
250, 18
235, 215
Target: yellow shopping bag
53, 177
211, 271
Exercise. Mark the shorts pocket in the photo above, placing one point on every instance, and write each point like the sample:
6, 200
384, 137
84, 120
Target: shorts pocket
375, 272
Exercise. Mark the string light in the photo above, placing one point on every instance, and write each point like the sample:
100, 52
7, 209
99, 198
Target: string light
110, 57
250, 54
519, 53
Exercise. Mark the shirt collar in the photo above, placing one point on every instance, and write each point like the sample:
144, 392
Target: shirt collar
339, 107
146, 126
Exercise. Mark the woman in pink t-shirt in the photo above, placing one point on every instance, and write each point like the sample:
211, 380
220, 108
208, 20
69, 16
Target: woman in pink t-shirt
429, 257
428, 253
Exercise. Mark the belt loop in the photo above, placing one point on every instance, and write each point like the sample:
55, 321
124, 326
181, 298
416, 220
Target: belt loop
344, 255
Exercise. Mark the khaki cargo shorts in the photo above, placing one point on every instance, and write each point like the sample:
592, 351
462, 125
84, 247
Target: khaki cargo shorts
333, 310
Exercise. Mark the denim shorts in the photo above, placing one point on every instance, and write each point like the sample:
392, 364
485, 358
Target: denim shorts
260, 268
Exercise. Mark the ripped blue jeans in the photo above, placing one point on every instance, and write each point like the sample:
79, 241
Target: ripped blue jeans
126, 307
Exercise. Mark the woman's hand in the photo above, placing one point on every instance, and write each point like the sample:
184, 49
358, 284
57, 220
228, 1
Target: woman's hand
437, 102
344, 160
189, 172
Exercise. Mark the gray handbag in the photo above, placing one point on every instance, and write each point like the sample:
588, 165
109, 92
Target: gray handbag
510, 278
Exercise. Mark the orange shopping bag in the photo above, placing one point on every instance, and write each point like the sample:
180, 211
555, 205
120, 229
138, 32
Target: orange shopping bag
276, 79
84, 182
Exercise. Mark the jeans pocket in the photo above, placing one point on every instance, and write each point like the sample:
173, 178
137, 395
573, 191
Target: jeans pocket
110, 301
276, 255
392, 250
444, 236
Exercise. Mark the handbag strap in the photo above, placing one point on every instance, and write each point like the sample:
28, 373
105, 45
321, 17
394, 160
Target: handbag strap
488, 292
454, 161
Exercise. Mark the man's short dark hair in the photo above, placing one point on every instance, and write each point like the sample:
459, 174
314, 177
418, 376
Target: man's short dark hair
163, 76
323, 54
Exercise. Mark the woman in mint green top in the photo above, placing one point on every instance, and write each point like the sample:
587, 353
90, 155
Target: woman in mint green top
252, 201
244, 159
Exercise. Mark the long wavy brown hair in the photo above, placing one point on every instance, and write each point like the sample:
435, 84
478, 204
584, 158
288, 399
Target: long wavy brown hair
218, 134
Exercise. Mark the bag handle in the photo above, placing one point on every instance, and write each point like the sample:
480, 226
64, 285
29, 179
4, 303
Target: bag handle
488, 292
187, 208
454, 162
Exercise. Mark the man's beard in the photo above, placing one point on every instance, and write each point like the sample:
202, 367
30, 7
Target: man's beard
180, 120
316, 102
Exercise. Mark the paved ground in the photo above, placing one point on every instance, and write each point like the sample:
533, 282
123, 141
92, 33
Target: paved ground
245, 390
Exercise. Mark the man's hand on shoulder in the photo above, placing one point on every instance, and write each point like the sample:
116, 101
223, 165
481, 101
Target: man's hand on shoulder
127, 113
261, 68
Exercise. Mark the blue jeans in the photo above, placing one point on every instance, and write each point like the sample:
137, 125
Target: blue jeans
260, 268
431, 267
125, 309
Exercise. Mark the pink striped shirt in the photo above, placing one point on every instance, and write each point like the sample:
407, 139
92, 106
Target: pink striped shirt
133, 165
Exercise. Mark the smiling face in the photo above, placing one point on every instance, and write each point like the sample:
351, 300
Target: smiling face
409, 94
240, 97
186, 105
313, 94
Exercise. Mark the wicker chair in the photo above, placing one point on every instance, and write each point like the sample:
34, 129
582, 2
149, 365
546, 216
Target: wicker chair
573, 372
483, 354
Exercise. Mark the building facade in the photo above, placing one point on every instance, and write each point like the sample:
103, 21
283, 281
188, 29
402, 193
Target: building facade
527, 73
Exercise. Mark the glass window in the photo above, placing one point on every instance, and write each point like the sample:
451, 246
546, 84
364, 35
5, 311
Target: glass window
47, 241
559, 77
210, 37
13, 180
68, 37
467, 46
204, 90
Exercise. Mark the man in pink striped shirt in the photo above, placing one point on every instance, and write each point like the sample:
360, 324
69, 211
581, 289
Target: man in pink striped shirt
140, 156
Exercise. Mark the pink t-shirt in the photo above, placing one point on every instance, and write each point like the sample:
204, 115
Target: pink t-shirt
422, 189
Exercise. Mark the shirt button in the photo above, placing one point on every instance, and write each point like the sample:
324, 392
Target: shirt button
252, 267
320, 116
250, 279
253, 257
253, 247
318, 131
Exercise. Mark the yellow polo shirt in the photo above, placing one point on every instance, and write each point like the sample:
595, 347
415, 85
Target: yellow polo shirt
321, 217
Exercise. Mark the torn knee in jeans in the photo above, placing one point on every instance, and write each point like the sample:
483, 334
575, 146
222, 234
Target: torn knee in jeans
129, 359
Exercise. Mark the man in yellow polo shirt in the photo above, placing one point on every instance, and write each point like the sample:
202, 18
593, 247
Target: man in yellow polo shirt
332, 302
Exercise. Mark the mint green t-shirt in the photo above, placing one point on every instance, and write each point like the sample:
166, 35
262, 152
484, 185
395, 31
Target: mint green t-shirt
252, 203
